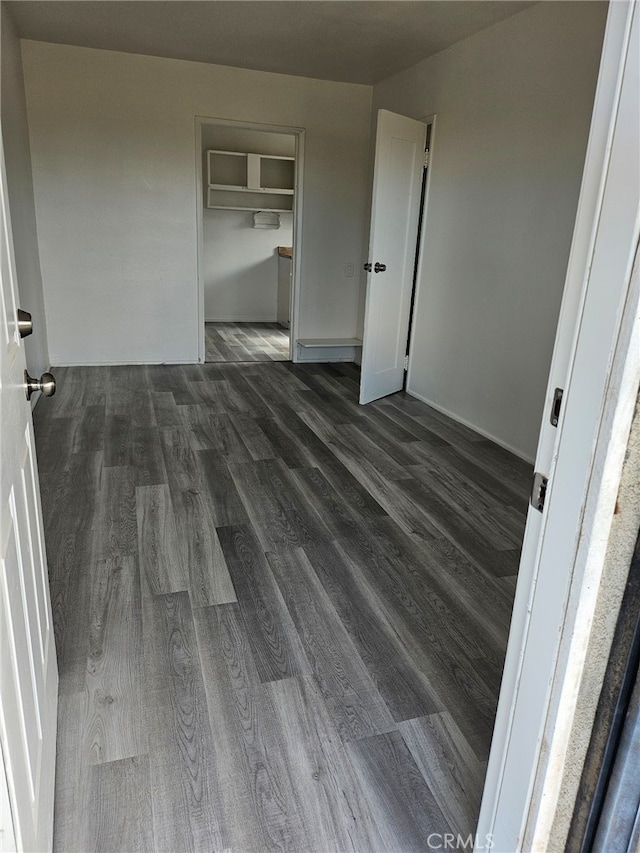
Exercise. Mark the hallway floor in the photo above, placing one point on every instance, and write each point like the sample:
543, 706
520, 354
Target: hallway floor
227, 342
281, 618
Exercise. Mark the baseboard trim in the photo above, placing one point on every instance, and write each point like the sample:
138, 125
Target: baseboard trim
474, 427
61, 364
241, 320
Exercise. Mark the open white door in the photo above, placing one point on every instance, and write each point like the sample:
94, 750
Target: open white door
395, 210
28, 669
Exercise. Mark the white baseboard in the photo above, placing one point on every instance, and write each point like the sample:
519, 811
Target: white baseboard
120, 363
236, 319
474, 427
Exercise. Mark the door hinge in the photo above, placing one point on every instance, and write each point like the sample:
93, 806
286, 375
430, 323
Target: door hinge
426, 158
406, 362
556, 406
539, 490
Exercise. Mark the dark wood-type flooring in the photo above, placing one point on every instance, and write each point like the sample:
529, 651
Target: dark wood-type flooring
280, 617
225, 342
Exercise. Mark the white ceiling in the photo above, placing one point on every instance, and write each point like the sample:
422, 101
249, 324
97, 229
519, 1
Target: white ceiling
355, 42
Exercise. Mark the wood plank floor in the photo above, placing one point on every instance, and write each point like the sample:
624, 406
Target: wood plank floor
280, 617
234, 342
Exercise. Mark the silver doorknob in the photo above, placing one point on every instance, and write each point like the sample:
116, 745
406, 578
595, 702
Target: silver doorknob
46, 384
379, 267
367, 267
25, 323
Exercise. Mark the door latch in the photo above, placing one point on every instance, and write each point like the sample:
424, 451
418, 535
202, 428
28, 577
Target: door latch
25, 323
539, 491
556, 406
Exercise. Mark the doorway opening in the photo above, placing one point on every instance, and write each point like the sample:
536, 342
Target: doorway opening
416, 267
247, 211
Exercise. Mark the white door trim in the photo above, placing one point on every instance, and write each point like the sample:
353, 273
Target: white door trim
299, 133
595, 366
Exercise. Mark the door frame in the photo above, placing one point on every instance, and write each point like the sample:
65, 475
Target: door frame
299, 134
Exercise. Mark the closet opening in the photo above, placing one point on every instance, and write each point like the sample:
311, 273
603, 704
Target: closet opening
249, 181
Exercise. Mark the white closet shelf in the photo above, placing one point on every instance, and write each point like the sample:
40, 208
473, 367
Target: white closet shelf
239, 180
267, 190
254, 208
329, 342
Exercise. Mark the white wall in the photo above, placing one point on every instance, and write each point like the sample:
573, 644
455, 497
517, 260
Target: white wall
240, 261
513, 106
241, 266
113, 150
15, 136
